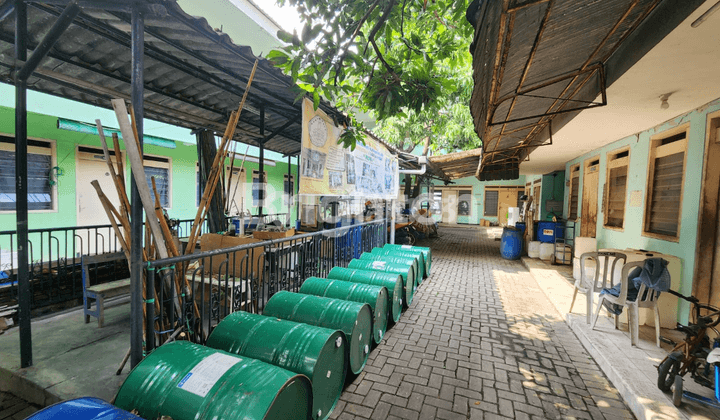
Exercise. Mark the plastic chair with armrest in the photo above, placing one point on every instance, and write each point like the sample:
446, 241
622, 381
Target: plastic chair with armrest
646, 298
606, 270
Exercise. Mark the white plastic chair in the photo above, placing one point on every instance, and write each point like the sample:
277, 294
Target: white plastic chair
588, 287
647, 298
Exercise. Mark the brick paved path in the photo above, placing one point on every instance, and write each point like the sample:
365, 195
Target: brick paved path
480, 341
14, 408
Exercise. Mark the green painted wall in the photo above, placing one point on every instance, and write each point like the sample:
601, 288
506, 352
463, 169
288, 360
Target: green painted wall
631, 236
553, 188
477, 207
183, 182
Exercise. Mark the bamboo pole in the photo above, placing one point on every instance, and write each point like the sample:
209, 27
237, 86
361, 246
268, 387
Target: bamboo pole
218, 161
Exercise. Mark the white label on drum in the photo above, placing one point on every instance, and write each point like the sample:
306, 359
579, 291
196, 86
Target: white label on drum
406, 246
205, 374
548, 232
378, 264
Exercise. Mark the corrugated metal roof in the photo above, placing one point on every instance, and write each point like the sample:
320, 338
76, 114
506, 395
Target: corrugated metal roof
194, 76
534, 59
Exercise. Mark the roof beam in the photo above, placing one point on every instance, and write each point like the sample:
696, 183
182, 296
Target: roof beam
64, 20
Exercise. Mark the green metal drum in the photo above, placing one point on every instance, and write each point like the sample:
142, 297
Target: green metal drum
316, 352
352, 318
427, 253
187, 381
418, 258
393, 283
403, 270
375, 296
411, 261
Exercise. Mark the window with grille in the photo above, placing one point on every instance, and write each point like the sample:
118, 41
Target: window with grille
464, 202
666, 171
491, 202
40, 167
289, 188
258, 190
616, 190
436, 206
574, 192
162, 182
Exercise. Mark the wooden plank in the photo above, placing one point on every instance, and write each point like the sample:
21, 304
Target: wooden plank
138, 172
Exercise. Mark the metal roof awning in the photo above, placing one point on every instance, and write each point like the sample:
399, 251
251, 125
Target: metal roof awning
539, 62
194, 76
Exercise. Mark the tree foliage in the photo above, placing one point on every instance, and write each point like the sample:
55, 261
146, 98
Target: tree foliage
406, 61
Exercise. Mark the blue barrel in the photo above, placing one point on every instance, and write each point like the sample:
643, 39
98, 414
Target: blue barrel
522, 226
83, 409
546, 231
511, 243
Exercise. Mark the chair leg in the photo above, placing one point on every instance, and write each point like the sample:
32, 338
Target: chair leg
101, 310
617, 322
589, 299
573, 299
633, 324
657, 325
597, 311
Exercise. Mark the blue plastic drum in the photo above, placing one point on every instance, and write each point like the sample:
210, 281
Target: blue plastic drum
546, 231
83, 409
511, 243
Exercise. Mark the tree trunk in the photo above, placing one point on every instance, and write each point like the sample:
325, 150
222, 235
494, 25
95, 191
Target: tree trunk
206, 154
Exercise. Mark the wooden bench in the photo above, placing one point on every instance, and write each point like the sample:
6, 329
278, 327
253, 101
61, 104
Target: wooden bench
100, 292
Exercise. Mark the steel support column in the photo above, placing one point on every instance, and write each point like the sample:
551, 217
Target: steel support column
21, 191
261, 165
289, 192
136, 211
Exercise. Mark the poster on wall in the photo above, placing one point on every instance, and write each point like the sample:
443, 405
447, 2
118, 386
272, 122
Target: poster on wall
327, 168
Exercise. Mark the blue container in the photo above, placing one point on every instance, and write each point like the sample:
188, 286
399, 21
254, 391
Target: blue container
83, 409
546, 231
236, 223
522, 226
511, 243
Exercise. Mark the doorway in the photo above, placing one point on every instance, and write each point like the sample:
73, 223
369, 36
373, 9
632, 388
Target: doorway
449, 206
706, 286
91, 166
588, 221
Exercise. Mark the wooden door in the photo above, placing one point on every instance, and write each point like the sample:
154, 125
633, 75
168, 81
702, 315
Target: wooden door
506, 198
706, 284
449, 206
237, 191
91, 166
588, 223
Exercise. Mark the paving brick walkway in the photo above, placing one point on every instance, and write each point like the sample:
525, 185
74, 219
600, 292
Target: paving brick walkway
480, 341
14, 408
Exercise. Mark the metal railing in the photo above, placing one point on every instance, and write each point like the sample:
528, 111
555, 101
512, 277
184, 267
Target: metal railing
218, 282
54, 255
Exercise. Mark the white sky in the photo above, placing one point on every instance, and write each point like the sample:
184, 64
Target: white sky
287, 17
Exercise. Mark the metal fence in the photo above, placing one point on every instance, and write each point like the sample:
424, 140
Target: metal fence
54, 255
242, 278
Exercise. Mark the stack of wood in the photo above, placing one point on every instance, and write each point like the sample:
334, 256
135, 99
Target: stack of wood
159, 239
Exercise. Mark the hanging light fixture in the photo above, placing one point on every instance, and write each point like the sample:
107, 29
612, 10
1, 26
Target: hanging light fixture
664, 101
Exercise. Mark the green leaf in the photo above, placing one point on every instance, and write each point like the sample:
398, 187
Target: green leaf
316, 100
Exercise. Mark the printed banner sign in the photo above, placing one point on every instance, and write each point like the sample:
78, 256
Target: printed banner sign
326, 168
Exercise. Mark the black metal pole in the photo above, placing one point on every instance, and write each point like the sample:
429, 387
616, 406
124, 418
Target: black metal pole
64, 20
261, 165
297, 189
136, 212
289, 191
6, 10
21, 191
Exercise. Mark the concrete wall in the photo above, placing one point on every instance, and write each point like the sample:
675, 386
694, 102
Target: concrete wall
631, 236
477, 207
183, 181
